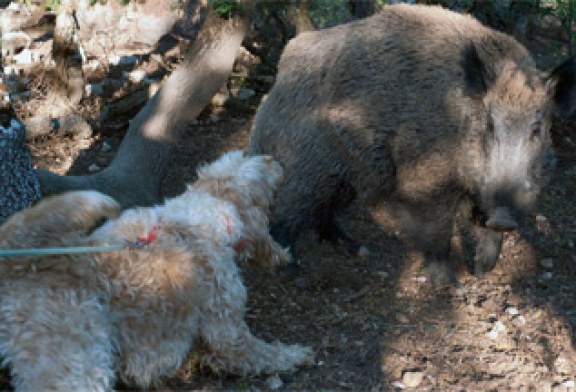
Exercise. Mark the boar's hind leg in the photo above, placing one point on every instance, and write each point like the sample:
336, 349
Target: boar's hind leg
326, 224
488, 247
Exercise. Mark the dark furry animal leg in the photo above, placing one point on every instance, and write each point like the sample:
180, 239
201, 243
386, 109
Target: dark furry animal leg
326, 225
441, 275
488, 247
330, 230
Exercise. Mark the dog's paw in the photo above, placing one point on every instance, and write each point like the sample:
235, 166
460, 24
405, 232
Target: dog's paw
308, 357
294, 356
280, 257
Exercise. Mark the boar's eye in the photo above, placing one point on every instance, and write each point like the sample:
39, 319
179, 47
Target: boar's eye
490, 125
536, 133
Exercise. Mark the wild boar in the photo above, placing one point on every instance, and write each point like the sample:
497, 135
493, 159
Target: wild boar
420, 105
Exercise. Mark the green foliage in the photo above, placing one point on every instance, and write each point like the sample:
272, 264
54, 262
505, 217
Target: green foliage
225, 8
325, 13
53, 5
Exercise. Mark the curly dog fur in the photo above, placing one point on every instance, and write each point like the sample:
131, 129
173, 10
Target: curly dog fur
75, 322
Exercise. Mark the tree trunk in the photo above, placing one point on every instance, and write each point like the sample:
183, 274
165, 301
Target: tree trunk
19, 186
135, 175
66, 52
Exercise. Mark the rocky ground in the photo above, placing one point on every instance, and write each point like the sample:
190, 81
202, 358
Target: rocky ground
373, 320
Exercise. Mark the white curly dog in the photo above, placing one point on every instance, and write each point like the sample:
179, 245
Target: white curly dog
76, 321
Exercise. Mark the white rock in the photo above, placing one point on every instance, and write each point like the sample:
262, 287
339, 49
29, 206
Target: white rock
512, 311
137, 76
541, 218
274, 382
24, 57
548, 275
412, 379
219, 99
93, 168
37, 126
562, 365
11, 70
569, 383
493, 334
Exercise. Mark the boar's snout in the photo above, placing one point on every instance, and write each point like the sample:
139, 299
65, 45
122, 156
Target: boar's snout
501, 219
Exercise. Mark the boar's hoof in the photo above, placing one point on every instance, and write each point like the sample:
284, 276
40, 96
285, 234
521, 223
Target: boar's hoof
501, 220
441, 276
488, 250
333, 233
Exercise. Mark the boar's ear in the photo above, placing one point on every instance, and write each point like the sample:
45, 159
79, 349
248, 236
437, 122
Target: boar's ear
477, 77
562, 82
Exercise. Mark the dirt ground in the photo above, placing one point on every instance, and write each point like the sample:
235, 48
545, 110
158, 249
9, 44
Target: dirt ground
374, 321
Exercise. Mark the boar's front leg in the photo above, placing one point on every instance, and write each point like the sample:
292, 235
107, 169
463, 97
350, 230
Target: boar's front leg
488, 247
441, 275
430, 227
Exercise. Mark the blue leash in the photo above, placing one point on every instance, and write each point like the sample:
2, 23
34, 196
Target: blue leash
60, 251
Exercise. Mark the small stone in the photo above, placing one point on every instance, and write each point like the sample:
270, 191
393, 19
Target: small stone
547, 263
24, 57
93, 168
398, 385
460, 292
412, 379
569, 383
520, 320
38, 126
383, 274
493, 334
401, 318
512, 311
500, 327
219, 99
548, 275
562, 365
541, 218
274, 382
137, 76
363, 251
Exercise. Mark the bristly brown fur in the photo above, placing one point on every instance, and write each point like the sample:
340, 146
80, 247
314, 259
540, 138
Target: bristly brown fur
417, 104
